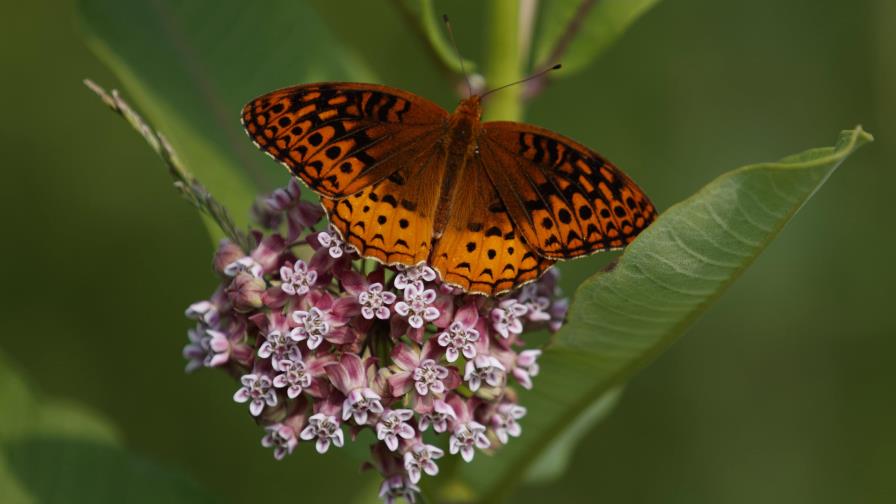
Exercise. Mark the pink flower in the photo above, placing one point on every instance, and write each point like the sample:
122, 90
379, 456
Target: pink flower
393, 424
294, 376
421, 458
325, 429
277, 345
297, 279
257, 390
462, 335
203, 311
439, 417
281, 438
333, 242
419, 368
484, 368
374, 302
417, 305
536, 304
506, 317
373, 299
408, 276
398, 487
526, 367
349, 377
226, 254
325, 320
504, 421
468, 434
207, 347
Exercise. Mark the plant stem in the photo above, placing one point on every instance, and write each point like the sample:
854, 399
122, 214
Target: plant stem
504, 60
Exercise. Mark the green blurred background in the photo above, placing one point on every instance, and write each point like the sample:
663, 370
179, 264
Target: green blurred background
782, 392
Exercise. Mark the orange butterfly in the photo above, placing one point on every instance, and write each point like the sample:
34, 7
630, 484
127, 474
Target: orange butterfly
490, 206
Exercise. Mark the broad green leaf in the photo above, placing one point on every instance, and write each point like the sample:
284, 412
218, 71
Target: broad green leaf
580, 30
191, 66
552, 463
59, 451
623, 318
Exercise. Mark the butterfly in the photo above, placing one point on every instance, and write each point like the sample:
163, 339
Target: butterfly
490, 206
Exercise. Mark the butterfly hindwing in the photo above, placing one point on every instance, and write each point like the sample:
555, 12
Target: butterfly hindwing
392, 219
339, 138
566, 200
480, 249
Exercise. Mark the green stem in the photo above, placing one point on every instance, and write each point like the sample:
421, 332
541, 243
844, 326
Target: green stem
505, 62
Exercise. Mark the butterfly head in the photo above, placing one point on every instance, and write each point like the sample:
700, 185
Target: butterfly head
469, 108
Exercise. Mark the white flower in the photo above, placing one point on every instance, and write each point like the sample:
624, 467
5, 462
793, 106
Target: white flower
466, 437
536, 305
504, 421
326, 429
421, 458
281, 438
294, 376
459, 339
258, 391
416, 306
359, 402
506, 317
246, 264
298, 279
374, 302
279, 347
334, 242
312, 327
484, 368
398, 487
203, 311
526, 367
429, 376
408, 276
207, 347
392, 425
439, 417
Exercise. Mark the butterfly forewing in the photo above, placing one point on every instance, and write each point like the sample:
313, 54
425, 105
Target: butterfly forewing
564, 199
340, 138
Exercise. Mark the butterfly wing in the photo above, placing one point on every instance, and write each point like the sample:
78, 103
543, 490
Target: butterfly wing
565, 199
340, 138
392, 219
479, 249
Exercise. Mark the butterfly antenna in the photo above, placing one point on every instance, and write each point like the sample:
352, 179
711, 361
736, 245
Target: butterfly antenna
457, 51
527, 79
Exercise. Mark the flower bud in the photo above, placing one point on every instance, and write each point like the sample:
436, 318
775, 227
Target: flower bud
227, 253
246, 292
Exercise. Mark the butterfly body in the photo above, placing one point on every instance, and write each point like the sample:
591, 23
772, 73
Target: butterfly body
459, 148
490, 206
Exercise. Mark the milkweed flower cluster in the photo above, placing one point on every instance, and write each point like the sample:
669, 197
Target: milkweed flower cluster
325, 345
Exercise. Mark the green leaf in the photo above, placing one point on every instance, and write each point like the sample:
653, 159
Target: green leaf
431, 27
552, 463
623, 318
576, 32
191, 66
59, 451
